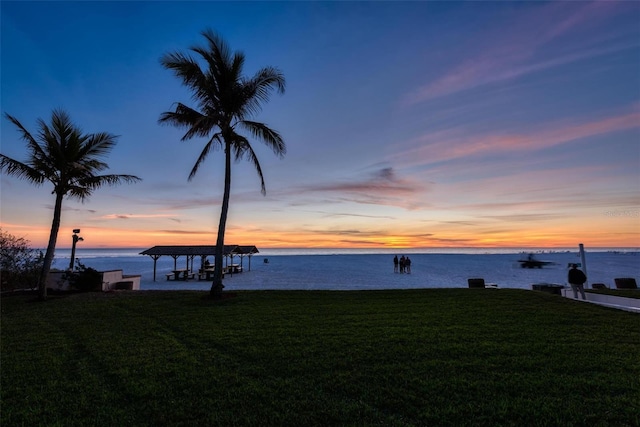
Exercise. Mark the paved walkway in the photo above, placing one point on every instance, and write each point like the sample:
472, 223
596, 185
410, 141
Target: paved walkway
622, 303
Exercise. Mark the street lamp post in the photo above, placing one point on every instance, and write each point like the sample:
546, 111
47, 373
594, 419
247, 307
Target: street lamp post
76, 239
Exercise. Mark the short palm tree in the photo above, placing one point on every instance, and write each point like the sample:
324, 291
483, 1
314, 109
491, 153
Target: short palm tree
61, 154
225, 101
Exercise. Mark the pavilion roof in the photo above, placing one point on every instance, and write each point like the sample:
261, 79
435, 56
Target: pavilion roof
201, 250
246, 250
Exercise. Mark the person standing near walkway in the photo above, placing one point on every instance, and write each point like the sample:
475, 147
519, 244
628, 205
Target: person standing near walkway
576, 279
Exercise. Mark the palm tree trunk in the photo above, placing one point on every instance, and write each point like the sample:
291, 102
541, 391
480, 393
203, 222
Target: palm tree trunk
51, 248
217, 286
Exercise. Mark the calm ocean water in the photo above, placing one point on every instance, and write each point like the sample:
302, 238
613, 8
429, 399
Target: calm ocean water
351, 269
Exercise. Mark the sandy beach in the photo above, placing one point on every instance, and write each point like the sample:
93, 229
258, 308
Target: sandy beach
350, 270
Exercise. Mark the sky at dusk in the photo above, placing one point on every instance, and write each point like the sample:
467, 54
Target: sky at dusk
407, 124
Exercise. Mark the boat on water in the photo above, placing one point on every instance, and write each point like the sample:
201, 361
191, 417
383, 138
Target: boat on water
532, 262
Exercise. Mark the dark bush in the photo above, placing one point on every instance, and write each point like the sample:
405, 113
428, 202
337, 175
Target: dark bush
20, 265
84, 278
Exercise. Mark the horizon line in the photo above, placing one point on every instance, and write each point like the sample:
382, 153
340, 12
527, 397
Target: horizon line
373, 248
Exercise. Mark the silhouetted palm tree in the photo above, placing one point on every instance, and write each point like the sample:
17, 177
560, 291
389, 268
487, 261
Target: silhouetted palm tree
61, 154
225, 100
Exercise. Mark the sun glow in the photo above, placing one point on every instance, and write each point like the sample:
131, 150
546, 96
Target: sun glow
119, 238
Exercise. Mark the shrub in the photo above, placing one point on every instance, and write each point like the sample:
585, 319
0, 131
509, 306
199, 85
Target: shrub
20, 265
84, 278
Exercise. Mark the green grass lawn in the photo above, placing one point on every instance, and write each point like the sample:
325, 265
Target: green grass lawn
443, 357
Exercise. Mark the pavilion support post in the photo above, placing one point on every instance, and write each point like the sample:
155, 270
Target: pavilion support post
155, 261
175, 261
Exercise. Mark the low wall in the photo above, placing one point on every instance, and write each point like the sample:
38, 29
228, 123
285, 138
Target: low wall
115, 280
111, 280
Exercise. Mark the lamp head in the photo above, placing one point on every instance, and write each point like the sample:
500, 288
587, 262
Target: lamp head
76, 230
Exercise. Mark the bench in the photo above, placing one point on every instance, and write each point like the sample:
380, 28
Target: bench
552, 288
476, 282
123, 286
182, 276
626, 283
232, 269
204, 275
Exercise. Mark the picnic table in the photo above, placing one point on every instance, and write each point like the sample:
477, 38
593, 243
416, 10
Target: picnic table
179, 274
207, 273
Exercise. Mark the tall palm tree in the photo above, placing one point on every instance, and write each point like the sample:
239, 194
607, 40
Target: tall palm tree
225, 101
61, 154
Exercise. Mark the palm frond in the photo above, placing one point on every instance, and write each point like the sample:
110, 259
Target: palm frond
185, 67
258, 89
78, 192
243, 148
217, 53
97, 145
198, 124
20, 170
63, 129
98, 181
32, 144
203, 154
270, 137
81, 187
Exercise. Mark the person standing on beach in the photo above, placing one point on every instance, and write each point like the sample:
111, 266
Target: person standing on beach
402, 264
577, 279
395, 264
407, 265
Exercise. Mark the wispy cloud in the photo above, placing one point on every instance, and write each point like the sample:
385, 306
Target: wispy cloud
71, 209
186, 232
136, 216
343, 214
383, 181
381, 187
442, 146
522, 47
328, 214
528, 217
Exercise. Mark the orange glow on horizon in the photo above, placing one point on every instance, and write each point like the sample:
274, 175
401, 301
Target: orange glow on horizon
124, 238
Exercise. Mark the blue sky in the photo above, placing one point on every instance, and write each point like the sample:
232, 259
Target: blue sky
408, 124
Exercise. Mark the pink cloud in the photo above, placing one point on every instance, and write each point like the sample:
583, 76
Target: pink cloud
515, 51
381, 187
442, 146
135, 216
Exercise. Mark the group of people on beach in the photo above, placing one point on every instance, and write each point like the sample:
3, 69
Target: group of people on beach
402, 265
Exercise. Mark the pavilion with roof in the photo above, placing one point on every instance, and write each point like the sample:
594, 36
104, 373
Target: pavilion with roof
203, 251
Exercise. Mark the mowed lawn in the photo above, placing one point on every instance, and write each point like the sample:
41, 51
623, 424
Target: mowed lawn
440, 357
